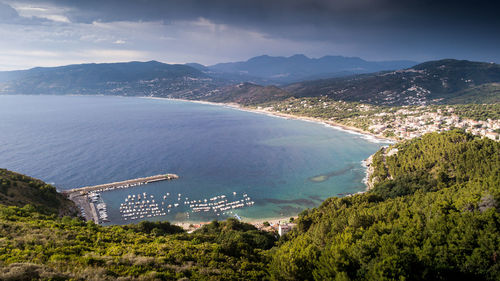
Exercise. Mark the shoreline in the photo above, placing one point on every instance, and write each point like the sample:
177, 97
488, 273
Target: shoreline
330, 124
273, 221
190, 226
366, 163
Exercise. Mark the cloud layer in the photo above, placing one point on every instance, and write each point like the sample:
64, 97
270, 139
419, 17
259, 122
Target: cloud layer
221, 30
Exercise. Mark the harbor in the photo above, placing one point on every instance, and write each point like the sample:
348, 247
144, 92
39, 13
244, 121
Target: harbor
89, 200
144, 205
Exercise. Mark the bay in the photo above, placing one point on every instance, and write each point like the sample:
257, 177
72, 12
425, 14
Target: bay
283, 165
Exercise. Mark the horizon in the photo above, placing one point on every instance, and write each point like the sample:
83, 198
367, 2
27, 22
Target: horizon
208, 65
47, 33
186, 63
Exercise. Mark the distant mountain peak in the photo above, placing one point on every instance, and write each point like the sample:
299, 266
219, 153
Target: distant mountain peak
299, 67
298, 56
259, 58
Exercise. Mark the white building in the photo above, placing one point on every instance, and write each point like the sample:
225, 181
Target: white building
284, 228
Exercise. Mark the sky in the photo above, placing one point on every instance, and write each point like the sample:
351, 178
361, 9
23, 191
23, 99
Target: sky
61, 32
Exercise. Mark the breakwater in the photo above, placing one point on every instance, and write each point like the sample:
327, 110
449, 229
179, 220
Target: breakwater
89, 201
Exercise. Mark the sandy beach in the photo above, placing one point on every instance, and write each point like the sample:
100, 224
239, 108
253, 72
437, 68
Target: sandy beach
258, 223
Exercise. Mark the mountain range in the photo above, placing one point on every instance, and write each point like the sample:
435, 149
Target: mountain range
258, 80
283, 70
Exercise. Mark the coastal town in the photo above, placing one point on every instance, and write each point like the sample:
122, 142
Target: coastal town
408, 123
397, 123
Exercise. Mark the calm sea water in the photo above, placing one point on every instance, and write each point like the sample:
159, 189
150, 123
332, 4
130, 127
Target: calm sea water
74, 141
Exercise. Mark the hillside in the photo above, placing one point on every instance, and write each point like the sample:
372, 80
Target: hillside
20, 190
435, 82
443, 81
433, 215
126, 79
246, 94
281, 70
37, 245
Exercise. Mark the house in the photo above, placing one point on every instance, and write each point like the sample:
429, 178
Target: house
284, 228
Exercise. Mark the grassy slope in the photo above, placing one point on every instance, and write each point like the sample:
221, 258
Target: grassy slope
41, 246
19, 190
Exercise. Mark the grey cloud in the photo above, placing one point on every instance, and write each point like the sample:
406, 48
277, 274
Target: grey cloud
303, 19
7, 13
317, 12
373, 29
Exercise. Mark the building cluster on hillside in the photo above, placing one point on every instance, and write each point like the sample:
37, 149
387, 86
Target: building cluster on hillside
403, 122
407, 123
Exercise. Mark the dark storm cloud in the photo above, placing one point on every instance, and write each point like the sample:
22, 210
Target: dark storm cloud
285, 12
372, 29
363, 20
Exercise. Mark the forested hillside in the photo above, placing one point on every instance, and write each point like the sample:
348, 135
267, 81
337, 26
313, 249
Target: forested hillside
434, 215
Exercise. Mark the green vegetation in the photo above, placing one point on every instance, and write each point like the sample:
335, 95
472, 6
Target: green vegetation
64, 248
436, 219
475, 111
247, 94
487, 93
19, 190
433, 215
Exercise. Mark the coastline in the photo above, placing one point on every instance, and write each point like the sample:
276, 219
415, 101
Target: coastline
334, 125
330, 124
190, 226
193, 225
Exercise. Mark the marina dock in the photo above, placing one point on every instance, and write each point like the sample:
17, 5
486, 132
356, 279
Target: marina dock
90, 203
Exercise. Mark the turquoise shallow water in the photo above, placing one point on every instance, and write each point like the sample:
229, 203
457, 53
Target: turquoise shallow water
74, 141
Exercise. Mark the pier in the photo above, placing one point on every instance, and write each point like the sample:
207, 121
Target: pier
89, 200
120, 184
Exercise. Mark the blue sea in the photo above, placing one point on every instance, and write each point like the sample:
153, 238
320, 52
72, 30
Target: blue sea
75, 141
